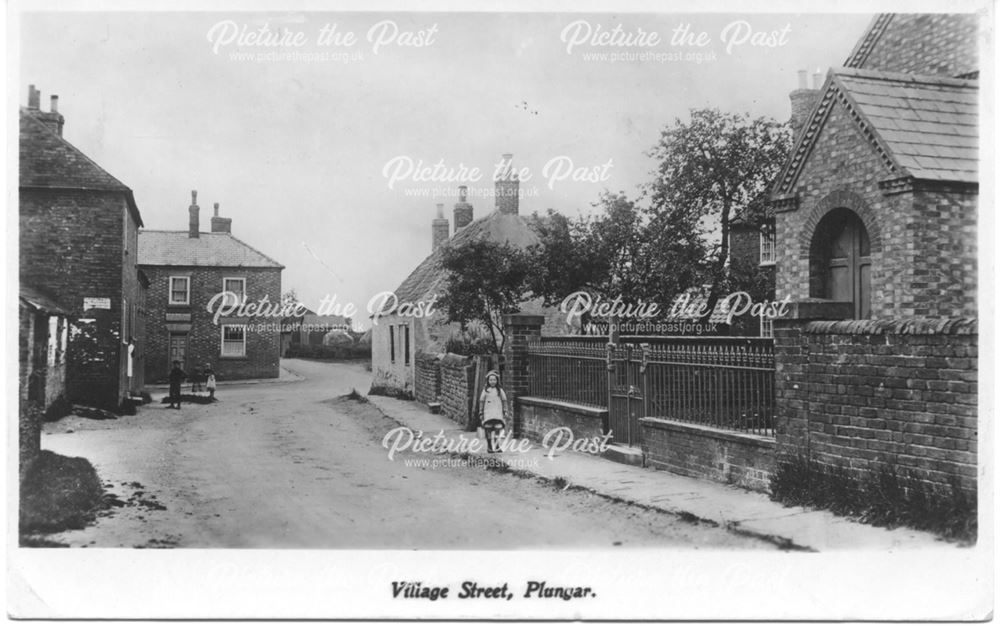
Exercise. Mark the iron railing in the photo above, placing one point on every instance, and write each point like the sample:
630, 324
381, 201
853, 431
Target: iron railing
725, 383
567, 369
722, 382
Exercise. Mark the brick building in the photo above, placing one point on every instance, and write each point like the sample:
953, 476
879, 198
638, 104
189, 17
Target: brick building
875, 222
189, 271
877, 204
78, 239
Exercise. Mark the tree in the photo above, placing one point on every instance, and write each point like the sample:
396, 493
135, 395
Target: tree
290, 297
712, 168
623, 252
486, 280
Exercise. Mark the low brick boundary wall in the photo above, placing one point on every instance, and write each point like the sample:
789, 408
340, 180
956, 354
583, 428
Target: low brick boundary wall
534, 417
869, 394
700, 451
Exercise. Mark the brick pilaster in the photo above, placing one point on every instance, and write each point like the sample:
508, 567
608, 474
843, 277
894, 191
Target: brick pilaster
520, 328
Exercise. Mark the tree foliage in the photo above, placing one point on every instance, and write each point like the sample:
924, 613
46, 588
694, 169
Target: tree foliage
486, 280
711, 169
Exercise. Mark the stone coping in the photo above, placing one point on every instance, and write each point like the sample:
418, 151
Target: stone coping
717, 433
898, 326
589, 411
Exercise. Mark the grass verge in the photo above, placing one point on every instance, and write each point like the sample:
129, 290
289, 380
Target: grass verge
58, 493
887, 497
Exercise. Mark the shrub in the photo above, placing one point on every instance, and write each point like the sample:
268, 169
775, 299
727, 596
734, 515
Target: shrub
333, 353
58, 493
885, 497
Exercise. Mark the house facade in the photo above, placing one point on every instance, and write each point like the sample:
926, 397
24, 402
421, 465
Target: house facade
78, 241
197, 280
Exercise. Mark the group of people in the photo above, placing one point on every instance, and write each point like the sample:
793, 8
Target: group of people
198, 379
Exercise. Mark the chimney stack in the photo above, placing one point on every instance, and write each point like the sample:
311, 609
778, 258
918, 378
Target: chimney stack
439, 228
52, 119
463, 210
803, 99
221, 224
193, 215
507, 188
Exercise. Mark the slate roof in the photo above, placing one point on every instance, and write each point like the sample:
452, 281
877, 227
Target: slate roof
46, 160
429, 277
177, 248
929, 124
40, 301
923, 126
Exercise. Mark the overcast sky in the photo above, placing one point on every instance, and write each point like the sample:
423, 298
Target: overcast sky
295, 150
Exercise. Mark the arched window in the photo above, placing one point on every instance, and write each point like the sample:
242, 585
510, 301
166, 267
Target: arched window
840, 261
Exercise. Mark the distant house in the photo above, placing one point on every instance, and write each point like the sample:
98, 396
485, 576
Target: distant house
189, 271
77, 245
396, 339
876, 208
310, 329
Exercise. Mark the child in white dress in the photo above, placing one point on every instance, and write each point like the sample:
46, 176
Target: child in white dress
493, 411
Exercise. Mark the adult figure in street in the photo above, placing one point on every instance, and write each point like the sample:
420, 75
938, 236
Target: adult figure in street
177, 376
493, 407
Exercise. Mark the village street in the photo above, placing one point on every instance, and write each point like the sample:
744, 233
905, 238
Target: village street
290, 464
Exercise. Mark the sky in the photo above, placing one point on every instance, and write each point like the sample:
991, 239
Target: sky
308, 145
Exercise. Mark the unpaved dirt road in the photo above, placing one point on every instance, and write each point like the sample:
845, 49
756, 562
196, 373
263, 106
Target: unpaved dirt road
293, 465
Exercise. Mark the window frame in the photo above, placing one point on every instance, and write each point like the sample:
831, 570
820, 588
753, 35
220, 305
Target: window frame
406, 344
222, 341
392, 343
767, 327
768, 243
243, 293
170, 290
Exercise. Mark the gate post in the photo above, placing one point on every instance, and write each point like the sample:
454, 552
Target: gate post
519, 329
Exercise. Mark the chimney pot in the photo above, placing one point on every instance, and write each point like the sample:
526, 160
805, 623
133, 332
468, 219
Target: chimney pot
507, 188
54, 103
463, 210
439, 229
216, 209
193, 223
817, 79
33, 97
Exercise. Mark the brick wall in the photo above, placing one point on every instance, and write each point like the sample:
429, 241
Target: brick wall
520, 328
922, 242
867, 394
72, 246
692, 450
427, 373
947, 44
538, 416
457, 381
204, 345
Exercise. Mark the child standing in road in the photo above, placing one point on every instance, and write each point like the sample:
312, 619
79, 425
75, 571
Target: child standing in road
210, 381
493, 411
